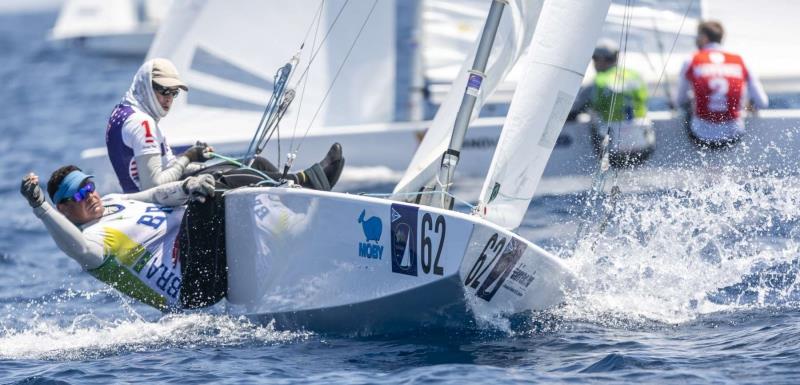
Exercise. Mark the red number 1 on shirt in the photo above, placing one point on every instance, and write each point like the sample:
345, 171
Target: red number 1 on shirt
147, 134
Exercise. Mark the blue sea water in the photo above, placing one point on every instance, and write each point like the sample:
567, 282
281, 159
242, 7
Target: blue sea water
695, 285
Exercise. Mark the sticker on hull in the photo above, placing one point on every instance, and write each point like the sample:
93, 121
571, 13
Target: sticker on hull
404, 239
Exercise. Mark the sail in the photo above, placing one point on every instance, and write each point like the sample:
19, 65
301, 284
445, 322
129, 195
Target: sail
553, 69
85, 18
513, 35
230, 70
448, 31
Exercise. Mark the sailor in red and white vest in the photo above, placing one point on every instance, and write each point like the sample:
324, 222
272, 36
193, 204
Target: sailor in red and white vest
721, 84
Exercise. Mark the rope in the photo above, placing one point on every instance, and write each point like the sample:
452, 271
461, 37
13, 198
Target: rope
241, 165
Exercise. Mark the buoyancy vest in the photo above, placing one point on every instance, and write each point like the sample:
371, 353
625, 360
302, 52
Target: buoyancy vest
140, 250
717, 78
629, 95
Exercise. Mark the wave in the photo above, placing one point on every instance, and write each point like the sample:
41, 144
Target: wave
89, 336
716, 243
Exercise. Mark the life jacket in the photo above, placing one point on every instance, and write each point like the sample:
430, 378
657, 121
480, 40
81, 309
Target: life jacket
717, 78
141, 253
629, 95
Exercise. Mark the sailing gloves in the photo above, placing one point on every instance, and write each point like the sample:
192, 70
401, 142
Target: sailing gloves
198, 188
31, 191
198, 152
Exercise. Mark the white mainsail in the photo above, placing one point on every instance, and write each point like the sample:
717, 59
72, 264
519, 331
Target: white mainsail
553, 69
513, 35
228, 52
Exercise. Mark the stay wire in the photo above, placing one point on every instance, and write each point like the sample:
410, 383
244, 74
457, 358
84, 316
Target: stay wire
672, 48
600, 176
338, 72
322, 43
304, 79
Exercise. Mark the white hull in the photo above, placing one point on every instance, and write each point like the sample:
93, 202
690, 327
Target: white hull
772, 143
117, 44
335, 262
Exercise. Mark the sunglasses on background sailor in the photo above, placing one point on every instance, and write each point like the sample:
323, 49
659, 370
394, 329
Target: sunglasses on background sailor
166, 91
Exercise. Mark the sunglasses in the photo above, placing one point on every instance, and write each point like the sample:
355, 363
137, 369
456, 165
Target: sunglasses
165, 91
81, 194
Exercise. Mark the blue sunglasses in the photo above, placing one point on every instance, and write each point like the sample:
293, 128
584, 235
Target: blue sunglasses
81, 194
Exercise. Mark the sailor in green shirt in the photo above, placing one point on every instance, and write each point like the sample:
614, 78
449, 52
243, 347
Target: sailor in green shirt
617, 103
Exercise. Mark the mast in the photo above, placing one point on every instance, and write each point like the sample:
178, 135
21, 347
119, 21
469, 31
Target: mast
415, 94
476, 75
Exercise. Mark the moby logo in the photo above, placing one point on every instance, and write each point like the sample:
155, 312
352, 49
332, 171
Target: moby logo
372, 227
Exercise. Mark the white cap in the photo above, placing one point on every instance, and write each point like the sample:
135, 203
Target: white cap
166, 75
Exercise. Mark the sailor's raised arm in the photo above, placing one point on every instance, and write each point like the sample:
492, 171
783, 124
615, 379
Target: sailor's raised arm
66, 234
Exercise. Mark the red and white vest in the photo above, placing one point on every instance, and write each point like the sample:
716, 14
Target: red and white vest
718, 79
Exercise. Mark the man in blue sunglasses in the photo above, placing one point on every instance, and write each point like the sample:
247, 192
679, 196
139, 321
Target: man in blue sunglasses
138, 243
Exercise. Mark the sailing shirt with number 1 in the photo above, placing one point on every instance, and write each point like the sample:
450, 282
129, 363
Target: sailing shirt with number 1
132, 133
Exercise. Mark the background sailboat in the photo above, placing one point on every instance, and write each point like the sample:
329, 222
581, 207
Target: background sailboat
120, 27
230, 88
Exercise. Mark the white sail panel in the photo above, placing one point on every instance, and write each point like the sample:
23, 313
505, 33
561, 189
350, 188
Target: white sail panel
553, 69
230, 69
513, 35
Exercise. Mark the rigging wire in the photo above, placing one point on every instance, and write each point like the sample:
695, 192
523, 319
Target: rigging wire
322, 43
672, 48
599, 178
279, 102
604, 167
338, 72
304, 79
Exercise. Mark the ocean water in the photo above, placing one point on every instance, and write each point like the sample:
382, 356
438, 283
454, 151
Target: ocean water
697, 284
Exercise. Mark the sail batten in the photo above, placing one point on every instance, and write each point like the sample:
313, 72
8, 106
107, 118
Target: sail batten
552, 72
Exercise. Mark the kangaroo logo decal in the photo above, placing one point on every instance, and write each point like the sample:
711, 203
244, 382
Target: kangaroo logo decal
373, 228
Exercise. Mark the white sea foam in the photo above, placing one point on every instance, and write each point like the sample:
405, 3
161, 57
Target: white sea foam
89, 336
663, 256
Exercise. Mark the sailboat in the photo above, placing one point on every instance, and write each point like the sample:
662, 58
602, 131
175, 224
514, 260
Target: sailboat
337, 262
116, 27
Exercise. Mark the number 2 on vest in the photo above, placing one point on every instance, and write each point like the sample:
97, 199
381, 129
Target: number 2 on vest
718, 101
